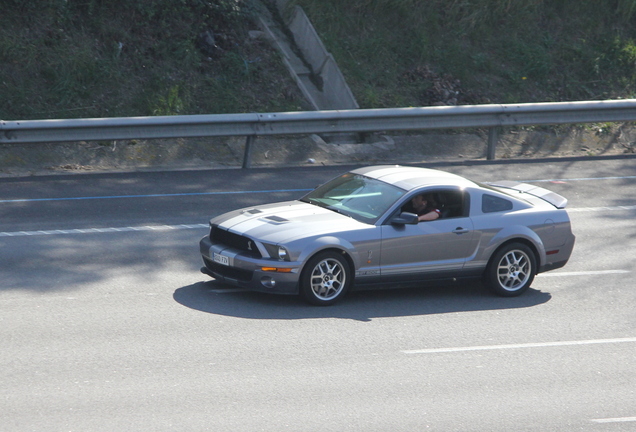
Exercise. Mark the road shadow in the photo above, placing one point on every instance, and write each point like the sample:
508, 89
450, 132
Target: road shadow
214, 298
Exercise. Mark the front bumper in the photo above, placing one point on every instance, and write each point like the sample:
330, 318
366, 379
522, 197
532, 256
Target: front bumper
246, 272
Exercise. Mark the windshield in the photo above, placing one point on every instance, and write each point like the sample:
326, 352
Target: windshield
362, 198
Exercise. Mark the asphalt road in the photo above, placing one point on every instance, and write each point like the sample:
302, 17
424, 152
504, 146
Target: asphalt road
106, 323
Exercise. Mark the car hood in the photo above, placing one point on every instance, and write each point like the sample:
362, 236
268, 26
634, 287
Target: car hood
286, 221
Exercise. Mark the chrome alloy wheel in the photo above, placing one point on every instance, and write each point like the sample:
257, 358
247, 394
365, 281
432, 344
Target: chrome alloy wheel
514, 270
328, 279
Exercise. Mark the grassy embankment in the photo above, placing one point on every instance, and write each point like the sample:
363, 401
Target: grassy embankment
96, 58
411, 52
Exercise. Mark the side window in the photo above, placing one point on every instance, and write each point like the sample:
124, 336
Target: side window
451, 203
492, 204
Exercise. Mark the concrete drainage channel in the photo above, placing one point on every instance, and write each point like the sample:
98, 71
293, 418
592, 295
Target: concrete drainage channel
308, 61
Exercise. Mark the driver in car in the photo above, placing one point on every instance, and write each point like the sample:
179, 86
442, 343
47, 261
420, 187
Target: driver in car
425, 207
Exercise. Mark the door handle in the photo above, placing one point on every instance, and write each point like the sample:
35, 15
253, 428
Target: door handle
460, 230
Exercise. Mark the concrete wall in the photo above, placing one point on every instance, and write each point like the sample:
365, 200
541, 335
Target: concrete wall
336, 92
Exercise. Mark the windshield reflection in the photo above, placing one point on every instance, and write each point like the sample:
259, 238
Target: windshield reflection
362, 198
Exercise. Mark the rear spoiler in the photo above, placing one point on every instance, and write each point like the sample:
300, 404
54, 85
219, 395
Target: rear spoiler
553, 198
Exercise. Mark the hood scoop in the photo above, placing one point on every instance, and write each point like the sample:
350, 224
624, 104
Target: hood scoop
252, 211
275, 219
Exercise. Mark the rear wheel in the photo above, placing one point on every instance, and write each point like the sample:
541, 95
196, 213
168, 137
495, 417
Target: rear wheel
511, 270
325, 279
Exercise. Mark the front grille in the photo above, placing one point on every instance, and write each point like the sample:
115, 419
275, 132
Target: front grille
235, 241
229, 272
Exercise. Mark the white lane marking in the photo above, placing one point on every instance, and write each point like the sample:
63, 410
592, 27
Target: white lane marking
599, 209
518, 346
104, 230
579, 179
615, 420
198, 226
583, 273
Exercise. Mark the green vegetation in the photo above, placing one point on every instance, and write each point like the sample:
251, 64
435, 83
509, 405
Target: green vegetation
414, 52
104, 58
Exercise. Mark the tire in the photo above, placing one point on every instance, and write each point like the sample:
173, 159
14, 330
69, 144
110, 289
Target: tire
511, 270
325, 279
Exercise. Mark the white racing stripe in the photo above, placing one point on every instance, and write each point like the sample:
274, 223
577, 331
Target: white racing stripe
519, 346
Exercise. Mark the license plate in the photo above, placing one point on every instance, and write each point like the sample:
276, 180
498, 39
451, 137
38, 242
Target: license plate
221, 259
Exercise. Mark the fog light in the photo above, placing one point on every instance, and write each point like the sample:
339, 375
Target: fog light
268, 282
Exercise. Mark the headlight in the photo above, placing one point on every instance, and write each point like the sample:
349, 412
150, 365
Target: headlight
277, 252
283, 255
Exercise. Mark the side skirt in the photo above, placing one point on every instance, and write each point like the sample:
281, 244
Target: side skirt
373, 285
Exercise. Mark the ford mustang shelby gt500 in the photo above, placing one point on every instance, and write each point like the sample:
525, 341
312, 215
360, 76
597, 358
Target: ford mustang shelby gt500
360, 230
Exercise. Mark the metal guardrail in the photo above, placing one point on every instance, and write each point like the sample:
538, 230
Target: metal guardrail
319, 122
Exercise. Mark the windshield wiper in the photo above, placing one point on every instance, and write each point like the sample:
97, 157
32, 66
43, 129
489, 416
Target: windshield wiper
316, 201
337, 210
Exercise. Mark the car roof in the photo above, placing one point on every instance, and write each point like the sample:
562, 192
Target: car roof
409, 178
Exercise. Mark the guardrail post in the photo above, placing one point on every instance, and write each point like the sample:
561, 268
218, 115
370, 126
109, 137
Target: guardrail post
247, 156
493, 137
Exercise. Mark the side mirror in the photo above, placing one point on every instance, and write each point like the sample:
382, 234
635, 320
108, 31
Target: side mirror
405, 218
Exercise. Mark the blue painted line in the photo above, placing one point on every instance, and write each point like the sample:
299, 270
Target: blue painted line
258, 191
154, 195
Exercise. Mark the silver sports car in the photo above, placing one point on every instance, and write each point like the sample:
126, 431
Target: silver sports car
391, 226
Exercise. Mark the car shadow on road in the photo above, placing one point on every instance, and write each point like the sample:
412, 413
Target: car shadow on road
214, 298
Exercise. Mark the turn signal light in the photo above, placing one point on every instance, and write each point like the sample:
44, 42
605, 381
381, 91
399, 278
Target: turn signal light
276, 269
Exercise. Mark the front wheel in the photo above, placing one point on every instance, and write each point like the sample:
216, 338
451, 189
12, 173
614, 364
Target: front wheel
511, 270
325, 279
